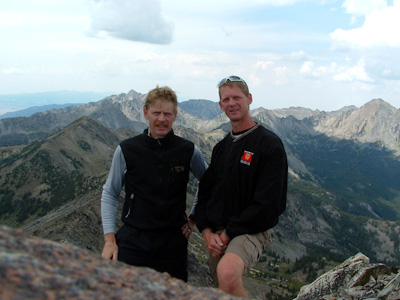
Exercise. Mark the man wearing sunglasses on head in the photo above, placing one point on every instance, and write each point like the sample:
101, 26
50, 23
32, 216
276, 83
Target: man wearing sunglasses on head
242, 193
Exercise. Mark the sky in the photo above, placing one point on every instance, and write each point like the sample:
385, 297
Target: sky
318, 54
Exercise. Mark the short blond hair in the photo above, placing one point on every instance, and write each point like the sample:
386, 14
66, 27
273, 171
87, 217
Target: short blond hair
161, 93
234, 80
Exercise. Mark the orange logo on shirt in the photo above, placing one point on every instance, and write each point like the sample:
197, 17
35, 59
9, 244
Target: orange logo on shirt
246, 157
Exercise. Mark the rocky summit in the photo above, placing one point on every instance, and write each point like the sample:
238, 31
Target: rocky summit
33, 268
355, 279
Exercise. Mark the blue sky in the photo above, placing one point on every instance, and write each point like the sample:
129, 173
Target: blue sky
321, 54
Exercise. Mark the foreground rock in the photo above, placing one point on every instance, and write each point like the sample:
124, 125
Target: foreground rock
355, 279
33, 268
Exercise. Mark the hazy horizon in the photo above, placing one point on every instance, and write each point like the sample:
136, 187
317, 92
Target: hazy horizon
28, 101
319, 54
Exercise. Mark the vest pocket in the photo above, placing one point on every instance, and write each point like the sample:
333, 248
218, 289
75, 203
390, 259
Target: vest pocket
178, 172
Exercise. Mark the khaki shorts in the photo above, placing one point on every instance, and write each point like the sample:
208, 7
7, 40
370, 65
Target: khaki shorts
248, 247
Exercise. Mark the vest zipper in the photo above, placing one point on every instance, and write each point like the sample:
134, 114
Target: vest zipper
129, 211
130, 205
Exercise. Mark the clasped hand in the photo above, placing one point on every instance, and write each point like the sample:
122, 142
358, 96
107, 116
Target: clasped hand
188, 228
216, 243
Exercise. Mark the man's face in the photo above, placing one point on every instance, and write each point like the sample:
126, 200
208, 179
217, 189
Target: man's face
161, 117
234, 102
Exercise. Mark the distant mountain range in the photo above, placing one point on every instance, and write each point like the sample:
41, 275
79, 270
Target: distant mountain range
60, 99
344, 186
202, 109
27, 112
24, 105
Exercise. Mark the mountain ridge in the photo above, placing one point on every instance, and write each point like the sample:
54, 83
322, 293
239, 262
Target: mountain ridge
125, 111
55, 170
84, 149
374, 122
343, 194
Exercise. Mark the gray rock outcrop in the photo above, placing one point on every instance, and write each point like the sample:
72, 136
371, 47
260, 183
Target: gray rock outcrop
355, 279
33, 268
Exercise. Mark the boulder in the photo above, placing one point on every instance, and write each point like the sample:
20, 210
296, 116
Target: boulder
355, 279
34, 268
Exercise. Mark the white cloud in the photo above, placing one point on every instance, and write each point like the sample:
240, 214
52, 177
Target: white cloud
278, 50
134, 20
297, 56
363, 7
353, 73
281, 74
307, 67
343, 77
308, 70
380, 27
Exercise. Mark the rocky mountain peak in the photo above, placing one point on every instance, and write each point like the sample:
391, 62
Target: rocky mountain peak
375, 122
132, 94
377, 104
376, 108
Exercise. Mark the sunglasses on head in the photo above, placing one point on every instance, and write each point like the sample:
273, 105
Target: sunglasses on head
230, 78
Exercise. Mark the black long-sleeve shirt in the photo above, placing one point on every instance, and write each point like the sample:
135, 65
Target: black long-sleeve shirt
244, 189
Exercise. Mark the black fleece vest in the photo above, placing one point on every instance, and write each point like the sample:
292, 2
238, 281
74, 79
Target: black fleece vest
156, 181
